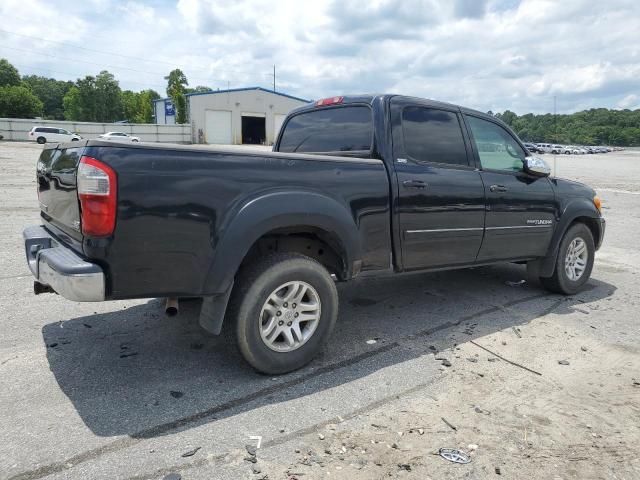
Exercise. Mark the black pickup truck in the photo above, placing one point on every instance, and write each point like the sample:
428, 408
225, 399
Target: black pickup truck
355, 186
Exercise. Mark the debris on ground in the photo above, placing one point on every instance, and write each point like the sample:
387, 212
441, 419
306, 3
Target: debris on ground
371, 341
583, 348
454, 455
448, 424
445, 361
498, 472
251, 450
191, 453
517, 332
176, 394
516, 283
563, 362
321, 436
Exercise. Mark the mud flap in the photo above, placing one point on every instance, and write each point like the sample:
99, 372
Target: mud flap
213, 310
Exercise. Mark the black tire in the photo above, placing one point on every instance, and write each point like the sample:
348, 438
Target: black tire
560, 282
253, 286
75, 139
41, 140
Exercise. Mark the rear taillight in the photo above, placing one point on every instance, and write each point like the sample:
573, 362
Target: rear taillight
97, 187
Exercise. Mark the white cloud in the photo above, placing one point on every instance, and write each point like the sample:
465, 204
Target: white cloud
631, 101
490, 54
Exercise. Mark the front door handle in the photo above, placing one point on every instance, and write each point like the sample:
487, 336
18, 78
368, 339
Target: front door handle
414, 184
498, 188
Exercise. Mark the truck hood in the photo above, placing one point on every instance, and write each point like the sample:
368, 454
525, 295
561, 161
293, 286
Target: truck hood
564, 187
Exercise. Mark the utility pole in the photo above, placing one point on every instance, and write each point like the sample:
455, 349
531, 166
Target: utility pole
274, 77
555, 121
555, 136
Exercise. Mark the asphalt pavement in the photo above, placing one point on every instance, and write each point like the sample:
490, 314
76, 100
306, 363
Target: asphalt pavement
117, 390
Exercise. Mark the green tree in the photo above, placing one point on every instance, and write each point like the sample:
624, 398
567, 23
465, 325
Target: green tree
8, 74
147, 97
130, 105
81, 100
176, 84
51, 92
590, 127
137, 107
71, 104
199, 89
108, 100
94, 99
17, 101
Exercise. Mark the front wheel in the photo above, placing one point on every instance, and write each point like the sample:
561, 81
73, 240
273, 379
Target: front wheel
284, 308
574, 263
41, 140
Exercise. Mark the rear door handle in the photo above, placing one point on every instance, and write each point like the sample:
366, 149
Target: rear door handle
498, 188
414, 184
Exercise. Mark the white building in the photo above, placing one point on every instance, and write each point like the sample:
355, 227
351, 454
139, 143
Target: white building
242, 115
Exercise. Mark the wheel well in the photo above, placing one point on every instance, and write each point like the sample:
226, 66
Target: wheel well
310, 241
592, 224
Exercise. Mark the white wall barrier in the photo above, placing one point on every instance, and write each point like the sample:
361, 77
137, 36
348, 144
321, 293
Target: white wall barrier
18, 128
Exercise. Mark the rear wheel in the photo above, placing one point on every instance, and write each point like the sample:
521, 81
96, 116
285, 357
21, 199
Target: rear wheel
284, 308
41, 140
574, 263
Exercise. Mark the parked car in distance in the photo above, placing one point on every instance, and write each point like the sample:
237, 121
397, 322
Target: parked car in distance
556, 149
544, 147
568, 150
262, 237
118, 137
533, 148
44, 135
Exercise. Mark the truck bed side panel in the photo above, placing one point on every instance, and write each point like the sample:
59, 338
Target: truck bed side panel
174, 206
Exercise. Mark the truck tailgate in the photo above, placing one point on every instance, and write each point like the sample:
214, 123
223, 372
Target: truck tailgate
57, 188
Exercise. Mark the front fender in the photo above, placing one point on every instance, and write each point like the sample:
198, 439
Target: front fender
578, 207
278, 209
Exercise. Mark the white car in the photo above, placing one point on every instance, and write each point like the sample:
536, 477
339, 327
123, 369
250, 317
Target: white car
568, 150
118, 137
44, 135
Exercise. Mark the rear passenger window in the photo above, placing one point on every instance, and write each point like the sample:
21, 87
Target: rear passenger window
340, 129
433, 136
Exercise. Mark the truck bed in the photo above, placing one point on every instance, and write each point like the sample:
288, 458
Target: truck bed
175, 204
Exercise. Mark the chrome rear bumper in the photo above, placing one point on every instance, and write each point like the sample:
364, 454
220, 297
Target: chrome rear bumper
55, 265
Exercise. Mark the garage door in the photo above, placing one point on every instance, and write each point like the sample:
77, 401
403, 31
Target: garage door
218, 126
278, 118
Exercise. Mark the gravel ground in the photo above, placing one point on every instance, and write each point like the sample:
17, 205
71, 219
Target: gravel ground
117, 391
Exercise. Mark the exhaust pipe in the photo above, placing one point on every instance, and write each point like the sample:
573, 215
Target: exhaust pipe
171, 307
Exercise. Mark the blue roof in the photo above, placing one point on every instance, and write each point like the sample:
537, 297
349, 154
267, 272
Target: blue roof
213, 92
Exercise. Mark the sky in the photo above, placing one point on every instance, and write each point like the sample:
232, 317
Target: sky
484, 54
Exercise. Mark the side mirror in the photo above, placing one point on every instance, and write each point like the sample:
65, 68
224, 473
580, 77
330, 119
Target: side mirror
536, 166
